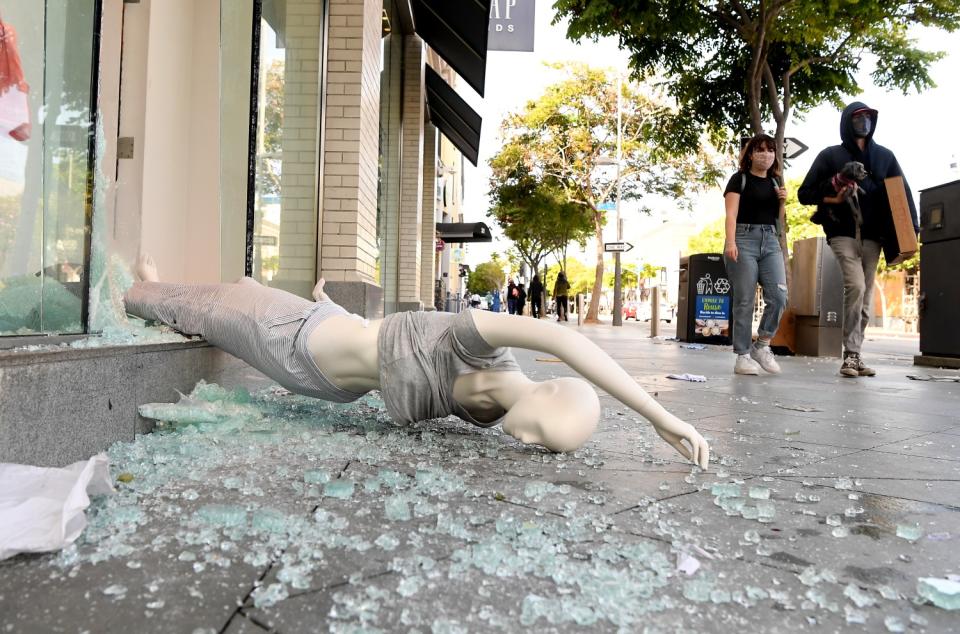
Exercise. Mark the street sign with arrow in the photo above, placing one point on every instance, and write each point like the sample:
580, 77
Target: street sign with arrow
617, 247
792, 148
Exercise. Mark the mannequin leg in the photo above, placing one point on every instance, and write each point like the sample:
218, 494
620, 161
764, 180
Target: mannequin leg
239, 318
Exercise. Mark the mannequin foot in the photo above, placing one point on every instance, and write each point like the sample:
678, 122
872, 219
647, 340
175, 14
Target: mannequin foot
318, 294
147, 268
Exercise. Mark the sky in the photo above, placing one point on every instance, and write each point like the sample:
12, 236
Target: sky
917, 127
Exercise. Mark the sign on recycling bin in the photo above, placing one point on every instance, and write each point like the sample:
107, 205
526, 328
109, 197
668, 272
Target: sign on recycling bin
712, 308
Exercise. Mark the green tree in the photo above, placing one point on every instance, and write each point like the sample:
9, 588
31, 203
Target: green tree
732, 66
709, 240
579, 276
534, 213
649, 271
628, 275
566, 134
485, 278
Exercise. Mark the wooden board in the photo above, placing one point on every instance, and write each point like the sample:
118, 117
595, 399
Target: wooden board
906, 237
786, 336
806, 274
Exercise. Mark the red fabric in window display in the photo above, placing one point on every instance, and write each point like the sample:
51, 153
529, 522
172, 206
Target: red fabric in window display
14, 102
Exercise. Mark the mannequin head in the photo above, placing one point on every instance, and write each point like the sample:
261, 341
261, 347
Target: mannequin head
560, 414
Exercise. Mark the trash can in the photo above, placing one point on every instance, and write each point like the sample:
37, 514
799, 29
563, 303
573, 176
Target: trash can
704, 300
939, 282
817, 299
453, 303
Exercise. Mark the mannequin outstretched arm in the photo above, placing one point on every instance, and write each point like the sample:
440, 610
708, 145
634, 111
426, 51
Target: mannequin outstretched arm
595, 365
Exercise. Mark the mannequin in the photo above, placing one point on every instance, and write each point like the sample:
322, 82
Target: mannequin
560, 414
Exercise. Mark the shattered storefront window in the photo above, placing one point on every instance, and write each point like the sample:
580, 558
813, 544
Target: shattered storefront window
47, 62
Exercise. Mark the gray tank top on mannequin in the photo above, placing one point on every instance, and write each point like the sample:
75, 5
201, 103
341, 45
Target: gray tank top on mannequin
421, 355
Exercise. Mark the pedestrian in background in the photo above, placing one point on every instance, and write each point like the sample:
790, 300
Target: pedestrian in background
856, 218
754, 201
495, 304
521, 298
511, 297
536, 296
561, 289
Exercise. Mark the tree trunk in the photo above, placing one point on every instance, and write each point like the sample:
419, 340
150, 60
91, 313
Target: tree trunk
784, 245
593, 313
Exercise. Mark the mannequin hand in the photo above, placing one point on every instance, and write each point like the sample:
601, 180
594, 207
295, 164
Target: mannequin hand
673, 430
730, 250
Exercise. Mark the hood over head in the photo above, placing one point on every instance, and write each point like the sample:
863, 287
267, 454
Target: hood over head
846, 123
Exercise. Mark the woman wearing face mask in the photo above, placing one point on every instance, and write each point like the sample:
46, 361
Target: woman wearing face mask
754, 201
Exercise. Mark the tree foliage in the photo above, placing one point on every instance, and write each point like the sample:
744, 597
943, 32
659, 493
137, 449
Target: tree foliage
732, 66
649, 271
534, 212
485, 277
562, 138
579, 276
628, 275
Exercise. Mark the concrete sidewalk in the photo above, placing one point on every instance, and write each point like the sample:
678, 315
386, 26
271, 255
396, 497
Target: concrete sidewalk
294, 515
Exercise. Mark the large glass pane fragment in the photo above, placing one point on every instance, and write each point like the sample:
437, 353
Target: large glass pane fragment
47, 97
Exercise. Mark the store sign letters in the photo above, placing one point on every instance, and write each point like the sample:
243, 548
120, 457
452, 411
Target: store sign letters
511, 25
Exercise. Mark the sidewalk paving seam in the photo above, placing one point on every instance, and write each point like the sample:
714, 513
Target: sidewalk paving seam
252, 620
950, 507
341, 584
239, 610
674, 496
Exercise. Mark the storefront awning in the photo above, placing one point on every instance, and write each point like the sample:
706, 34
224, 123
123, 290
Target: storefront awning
463, 232
452, 116
457, 31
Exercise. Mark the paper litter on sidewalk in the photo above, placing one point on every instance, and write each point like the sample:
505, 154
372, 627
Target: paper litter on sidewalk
695, 378
797, 408
42, 509
933, 377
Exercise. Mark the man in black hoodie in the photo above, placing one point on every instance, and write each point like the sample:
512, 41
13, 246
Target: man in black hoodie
856, 239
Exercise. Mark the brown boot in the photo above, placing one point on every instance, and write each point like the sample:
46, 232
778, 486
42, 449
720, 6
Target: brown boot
853, 366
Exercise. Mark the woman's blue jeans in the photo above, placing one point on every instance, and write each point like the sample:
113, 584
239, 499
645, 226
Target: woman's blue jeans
759, 260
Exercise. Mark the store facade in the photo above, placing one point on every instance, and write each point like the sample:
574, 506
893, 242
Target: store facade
287, 140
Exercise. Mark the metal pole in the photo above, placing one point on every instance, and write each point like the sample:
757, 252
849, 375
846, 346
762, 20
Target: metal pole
655, 311
617, 277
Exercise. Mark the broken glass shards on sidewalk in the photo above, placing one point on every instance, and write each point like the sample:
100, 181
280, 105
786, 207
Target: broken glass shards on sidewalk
206, 404
301, 495
111, 277
943, 593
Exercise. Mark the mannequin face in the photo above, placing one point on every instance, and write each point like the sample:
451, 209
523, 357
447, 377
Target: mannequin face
560, 414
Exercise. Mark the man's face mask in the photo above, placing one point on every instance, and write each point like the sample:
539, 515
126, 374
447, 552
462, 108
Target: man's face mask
861, 124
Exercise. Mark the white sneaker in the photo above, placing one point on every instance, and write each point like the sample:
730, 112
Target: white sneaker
746, 365
764, 356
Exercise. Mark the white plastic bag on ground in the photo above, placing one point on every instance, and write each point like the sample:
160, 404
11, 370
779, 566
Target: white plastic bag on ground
42, 509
